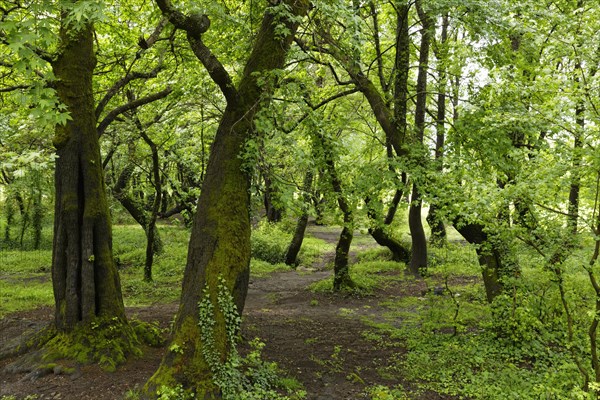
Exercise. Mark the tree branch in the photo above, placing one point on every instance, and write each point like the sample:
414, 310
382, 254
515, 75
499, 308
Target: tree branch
121, 83
215, 69
195, 25
13, 88
110, 117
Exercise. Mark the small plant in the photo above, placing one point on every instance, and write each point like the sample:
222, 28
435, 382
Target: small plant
380, 392
238, 378
173, 393
335, 362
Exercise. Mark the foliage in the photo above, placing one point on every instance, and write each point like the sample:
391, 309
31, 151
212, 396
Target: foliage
513, 348
270, 242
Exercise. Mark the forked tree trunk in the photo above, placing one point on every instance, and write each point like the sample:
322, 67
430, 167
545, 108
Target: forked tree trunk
219, 248
136, 210
84, 276
379, 233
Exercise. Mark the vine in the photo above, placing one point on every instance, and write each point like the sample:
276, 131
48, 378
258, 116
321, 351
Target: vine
238, 378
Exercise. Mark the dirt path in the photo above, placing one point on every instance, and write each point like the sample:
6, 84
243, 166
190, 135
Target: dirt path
317, 338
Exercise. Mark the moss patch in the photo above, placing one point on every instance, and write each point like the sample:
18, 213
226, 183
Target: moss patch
107, 341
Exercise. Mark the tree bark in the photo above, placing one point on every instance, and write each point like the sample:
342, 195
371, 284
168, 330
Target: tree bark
341, 270
273, 212
84, 276
577, 149
219, 248
153, 242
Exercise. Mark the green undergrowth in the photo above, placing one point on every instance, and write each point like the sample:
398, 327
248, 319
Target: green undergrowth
367, 277
18, 295
459, 345
25, 279
262, 269
269, 243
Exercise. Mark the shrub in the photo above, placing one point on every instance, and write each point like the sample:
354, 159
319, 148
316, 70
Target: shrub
269, 243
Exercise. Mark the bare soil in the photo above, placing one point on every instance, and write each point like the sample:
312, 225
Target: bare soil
316, 338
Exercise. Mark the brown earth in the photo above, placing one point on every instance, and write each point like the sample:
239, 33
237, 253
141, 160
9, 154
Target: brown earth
316, 338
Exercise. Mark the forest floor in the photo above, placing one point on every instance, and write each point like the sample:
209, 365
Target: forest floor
317, 338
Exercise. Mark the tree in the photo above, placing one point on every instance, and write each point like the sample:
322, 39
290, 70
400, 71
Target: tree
291, 254
219, 249
418, 259
85, 278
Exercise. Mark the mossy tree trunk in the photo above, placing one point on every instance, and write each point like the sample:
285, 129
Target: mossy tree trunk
219, 248
84, 276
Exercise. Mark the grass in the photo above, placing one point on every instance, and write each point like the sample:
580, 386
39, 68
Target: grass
512, 349
25, 280
367, 276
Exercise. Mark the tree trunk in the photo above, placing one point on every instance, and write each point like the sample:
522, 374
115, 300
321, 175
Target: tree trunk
577, 149
399, 252
418, 256
438, 230
273, 212
153, 242
494, 258
418, 260
395, 136
84, 276
341, 271
292, 252
135, 209
219, 248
